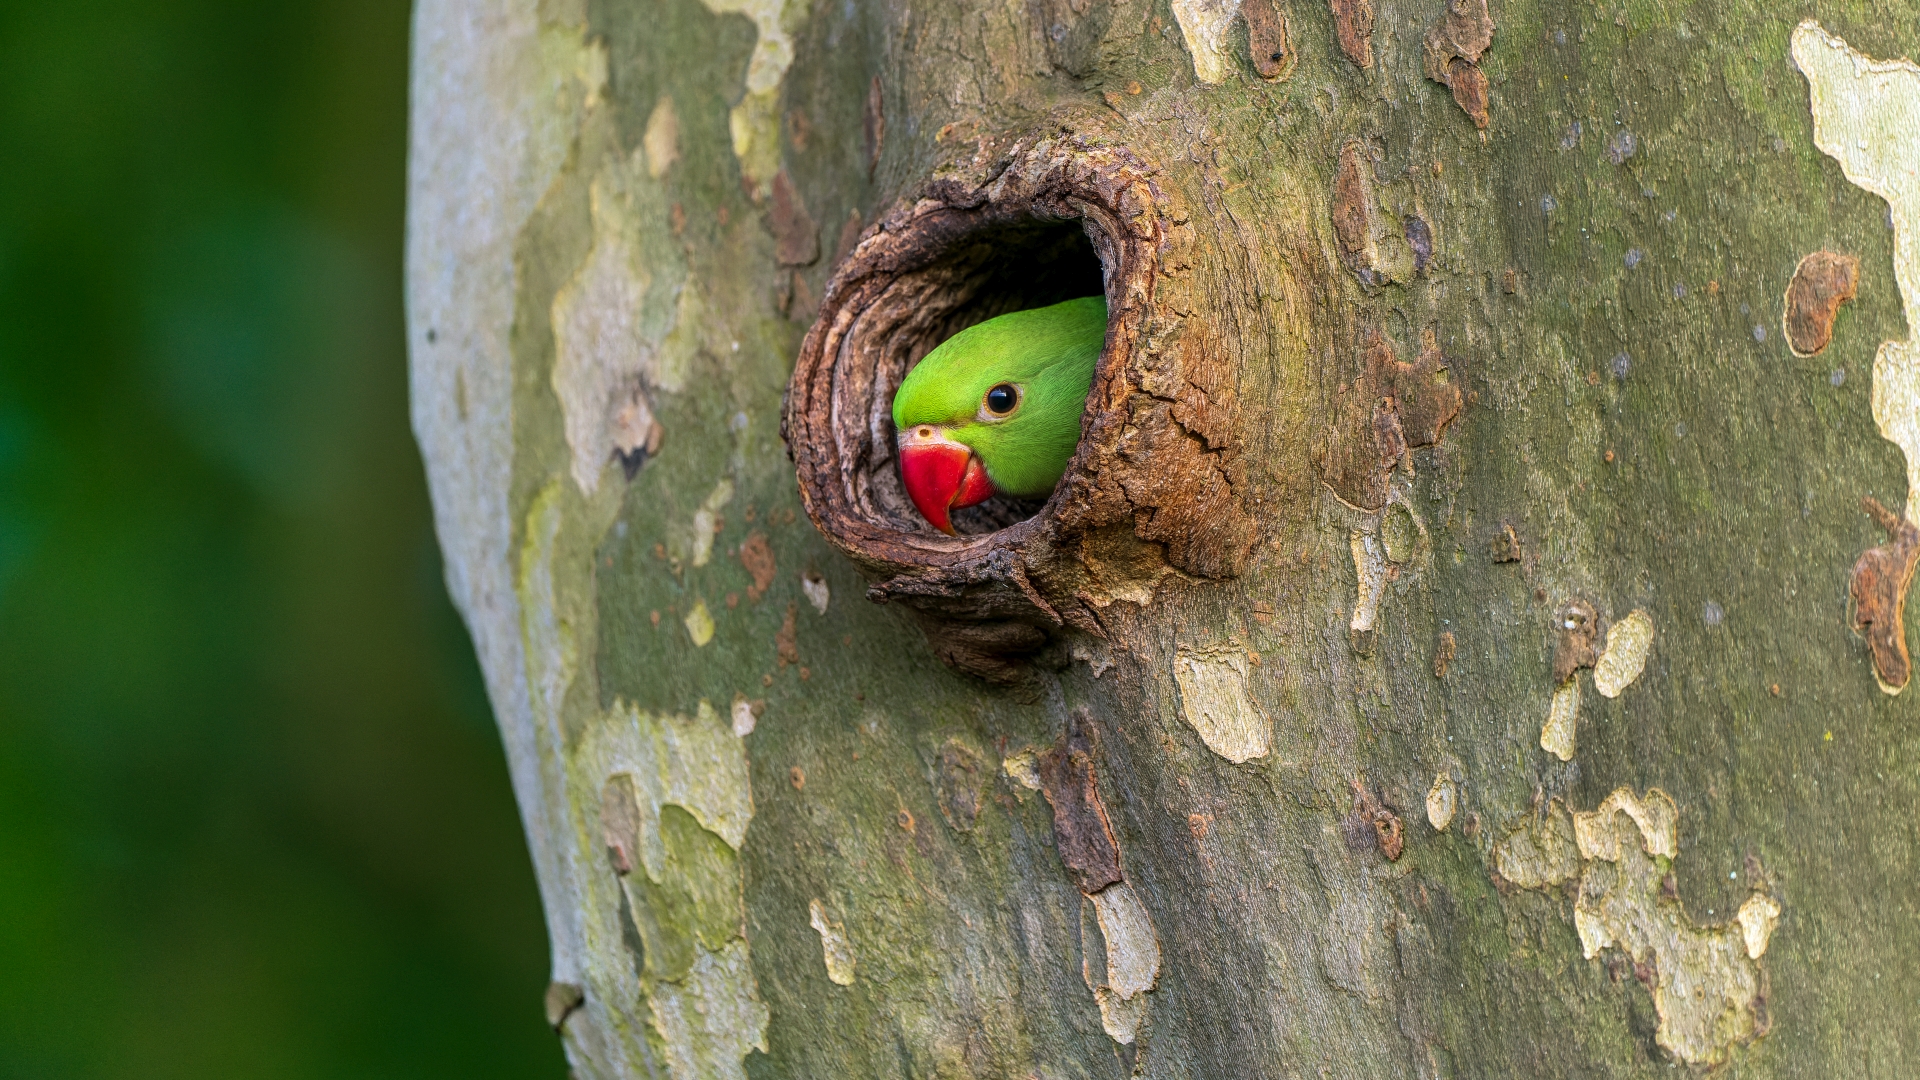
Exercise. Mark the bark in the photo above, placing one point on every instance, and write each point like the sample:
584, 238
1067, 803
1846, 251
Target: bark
1459, 648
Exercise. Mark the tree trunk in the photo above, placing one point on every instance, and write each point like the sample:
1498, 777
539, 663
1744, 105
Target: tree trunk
1458, 648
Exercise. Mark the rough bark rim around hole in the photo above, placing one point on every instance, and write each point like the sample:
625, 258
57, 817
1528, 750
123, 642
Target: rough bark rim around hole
899, 292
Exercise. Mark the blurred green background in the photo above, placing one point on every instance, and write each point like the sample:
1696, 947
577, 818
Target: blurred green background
254, 818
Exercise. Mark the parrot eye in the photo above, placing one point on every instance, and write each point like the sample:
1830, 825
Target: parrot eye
1002, 399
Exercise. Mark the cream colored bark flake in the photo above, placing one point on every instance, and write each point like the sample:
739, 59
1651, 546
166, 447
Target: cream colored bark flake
754, 124
1205, 25
818, 593
1706, 981
1563, 717
1370, 568
1656, 816
706, 521
1866, 116
1132, 967
597, 340
694, 762
662, 138
1023, 768
699, 624
1442, 799
834, 945
612, 322
1215, 703
1628, 642
1758, 916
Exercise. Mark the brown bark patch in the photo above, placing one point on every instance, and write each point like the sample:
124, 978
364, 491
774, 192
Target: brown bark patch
1443, 654
1269, 38
1575, 628
1469, 86
1505, 545
1879, 590
1372, 825
1452, 52
796, 240
1354, 217
1821, 283
1353, 28
757, 556
1082, 834
786, 643
1390, 409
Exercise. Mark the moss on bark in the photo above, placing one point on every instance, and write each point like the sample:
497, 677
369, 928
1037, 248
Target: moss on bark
1603, 269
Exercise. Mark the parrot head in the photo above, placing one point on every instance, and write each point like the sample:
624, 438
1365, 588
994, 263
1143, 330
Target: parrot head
995, 409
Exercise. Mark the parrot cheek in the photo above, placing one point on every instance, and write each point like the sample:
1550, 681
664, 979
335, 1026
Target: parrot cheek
934, 474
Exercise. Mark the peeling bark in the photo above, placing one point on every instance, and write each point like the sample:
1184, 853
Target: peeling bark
1257, 749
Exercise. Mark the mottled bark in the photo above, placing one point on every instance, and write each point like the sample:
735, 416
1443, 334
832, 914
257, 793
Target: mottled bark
1458, 648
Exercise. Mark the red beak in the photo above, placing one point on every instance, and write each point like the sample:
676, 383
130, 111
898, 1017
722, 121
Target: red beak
941, 475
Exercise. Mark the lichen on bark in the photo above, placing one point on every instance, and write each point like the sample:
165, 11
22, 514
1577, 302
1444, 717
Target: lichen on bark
769, 835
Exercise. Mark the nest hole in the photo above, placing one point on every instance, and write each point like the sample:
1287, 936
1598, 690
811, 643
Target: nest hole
990, 270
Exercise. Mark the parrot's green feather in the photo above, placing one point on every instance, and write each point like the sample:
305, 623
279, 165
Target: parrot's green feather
1049, 353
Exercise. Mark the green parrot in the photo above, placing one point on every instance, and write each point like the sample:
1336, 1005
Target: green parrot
995, 409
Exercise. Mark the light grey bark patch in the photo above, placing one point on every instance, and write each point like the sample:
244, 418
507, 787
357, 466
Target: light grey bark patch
612, 318
816, 589
1214, 701
492, 115
1095, 654
836, 950
745, 715
1370, 574
1123, 962
694, 762
1863, 112
1706, 982
706, 1023
1204, 25
675, 795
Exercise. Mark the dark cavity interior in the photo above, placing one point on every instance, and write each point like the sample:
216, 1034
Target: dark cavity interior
991, 272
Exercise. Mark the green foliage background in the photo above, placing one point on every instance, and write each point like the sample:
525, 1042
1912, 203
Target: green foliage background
254, 818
